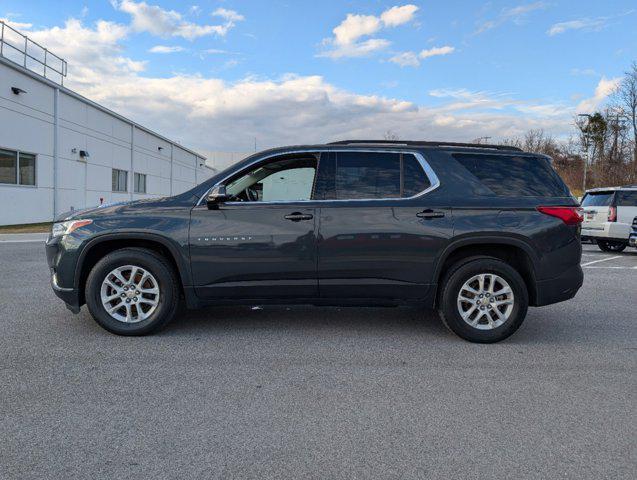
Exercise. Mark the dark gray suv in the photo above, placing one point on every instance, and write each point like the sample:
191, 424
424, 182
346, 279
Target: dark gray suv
479, 232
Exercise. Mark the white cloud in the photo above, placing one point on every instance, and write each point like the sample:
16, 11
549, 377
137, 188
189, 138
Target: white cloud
166, 49
435, 51
605, 87
354, 27
169, 23
398, 15
92, 53
579, 24
517, 15
347, 42
230, 15
411, 59
406, 59
207, 113
17, 25
358, 49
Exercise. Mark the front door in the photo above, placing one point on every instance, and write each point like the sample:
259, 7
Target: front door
380, 231
261, 244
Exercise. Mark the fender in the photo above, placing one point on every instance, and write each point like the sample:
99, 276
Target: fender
183, 264
474, 238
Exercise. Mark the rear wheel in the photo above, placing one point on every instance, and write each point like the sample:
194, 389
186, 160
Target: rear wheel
483, 300
611, 246
132, 292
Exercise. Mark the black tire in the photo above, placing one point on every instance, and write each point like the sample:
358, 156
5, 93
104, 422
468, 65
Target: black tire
611, 246
454, 280
155, 264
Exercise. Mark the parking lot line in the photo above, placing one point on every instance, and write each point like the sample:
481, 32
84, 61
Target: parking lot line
611, 267
601, 260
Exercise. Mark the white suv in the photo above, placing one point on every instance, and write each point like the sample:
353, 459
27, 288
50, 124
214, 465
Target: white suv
608, 216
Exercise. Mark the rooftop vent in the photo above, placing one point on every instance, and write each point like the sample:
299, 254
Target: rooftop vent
20, 49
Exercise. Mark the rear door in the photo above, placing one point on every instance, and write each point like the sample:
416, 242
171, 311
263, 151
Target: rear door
379, 237
596, 209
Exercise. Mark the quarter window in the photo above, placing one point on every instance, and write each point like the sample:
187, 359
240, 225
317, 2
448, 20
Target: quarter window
120, 180
17, 168
627, 198
414, 178
512, 176
140, 183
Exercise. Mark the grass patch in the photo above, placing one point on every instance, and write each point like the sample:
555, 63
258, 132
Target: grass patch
27, 228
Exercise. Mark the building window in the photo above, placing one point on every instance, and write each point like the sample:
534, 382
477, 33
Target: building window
120, 180
17, 168
140, 183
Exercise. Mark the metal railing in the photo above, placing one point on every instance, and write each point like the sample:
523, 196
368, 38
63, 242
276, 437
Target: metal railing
20, 49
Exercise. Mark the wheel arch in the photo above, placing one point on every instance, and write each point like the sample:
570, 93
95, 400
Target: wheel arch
518, 253
102, 245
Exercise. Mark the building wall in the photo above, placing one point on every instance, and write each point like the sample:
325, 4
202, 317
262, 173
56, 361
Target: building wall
27, 124
221, 160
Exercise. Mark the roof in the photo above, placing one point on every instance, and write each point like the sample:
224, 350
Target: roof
423, 143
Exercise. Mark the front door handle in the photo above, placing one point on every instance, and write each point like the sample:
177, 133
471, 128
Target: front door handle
298, 216
427, 214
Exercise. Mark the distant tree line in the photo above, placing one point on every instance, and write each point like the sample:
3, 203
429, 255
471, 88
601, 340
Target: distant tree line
603, 151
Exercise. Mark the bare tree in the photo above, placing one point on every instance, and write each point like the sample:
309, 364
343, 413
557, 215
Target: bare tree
626, 97
390, 135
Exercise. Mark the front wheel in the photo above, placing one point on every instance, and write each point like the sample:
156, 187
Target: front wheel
610, 246
483, 300
132, 292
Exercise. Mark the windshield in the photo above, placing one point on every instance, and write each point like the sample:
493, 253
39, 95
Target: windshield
598, 199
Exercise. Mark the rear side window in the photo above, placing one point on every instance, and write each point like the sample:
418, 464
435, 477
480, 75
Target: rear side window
627, 198
369, 176
598, 199
514, 176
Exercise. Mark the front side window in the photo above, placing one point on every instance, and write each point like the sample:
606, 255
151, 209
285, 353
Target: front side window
120, 180
140, 183
286, 180
370, 176
17, 168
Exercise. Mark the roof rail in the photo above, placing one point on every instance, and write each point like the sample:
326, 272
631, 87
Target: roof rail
425, 143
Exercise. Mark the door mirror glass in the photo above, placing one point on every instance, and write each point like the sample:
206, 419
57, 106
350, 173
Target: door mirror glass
216, 196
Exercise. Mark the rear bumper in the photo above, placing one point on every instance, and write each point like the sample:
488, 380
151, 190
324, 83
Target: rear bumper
632, 240
606, 231
560, 288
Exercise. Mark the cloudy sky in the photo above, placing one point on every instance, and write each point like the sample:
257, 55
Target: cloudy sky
216, 75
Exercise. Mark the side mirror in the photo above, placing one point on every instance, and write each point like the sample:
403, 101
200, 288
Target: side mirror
216, 196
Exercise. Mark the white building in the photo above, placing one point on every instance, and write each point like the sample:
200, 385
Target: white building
60, 151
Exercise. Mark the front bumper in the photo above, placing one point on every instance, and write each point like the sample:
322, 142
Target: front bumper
632, 240
68, 294
561, 288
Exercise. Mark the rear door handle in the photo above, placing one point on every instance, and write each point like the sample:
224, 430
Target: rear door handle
298, 216
430, 214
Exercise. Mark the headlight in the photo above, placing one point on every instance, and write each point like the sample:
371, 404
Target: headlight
64, 228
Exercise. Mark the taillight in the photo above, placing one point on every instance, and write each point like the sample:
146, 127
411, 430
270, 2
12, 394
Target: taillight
612, 214
569, 215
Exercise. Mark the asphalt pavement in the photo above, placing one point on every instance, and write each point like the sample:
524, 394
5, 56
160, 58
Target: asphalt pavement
329, 393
